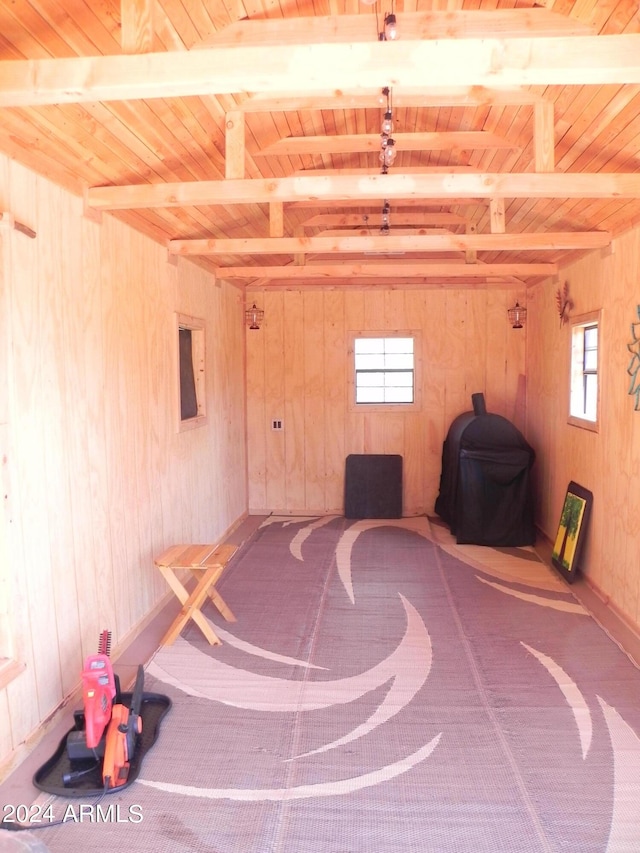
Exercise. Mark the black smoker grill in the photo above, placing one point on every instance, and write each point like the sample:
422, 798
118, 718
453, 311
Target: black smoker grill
485, 489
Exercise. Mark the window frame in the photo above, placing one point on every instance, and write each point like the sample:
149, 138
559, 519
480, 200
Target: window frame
198, 354
416, 405
578, 371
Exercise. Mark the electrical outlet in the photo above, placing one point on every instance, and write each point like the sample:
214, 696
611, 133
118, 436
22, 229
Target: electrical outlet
276, 424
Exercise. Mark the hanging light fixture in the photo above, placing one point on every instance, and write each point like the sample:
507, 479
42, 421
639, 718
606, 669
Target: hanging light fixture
390, 28
387, 142
517, 316
385, 227
254, 316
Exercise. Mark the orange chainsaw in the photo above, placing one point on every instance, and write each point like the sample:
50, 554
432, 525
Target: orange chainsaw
122, 736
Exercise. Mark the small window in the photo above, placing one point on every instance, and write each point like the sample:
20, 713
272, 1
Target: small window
384, 370
191, 372
584, 396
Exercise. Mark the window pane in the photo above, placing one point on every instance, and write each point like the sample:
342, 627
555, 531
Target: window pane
396, 361
188, 399
398, 395
398, 345
370, 380
591, 360
591, 337
369, 345
402, 379
369, 361
590, 396
370, 395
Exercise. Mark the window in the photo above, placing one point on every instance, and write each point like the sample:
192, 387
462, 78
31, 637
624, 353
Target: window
191, 373
384, 370
584, 395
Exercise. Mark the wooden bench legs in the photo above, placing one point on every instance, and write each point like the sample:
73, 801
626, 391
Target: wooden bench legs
206, 564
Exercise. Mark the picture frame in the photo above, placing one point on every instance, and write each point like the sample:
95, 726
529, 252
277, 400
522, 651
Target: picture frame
572, 528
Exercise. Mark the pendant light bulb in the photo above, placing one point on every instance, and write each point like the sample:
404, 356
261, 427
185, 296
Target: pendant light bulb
387, 123
390, 28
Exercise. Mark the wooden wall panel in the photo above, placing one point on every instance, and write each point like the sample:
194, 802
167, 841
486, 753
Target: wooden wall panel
335, 414
608, 461
101, 480
464, 339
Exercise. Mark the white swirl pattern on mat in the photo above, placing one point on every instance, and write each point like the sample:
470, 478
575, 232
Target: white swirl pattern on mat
572, 694
320, 789
553, 603
302, 535
197, 674
418, 525
623, 835
258, 652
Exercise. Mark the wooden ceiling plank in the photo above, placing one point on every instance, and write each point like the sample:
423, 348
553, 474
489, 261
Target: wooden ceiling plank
579, 60
136, 18
496, 216
368, 187
276, 219
393, 243
234, 150
85, 31
543, 137
392, 270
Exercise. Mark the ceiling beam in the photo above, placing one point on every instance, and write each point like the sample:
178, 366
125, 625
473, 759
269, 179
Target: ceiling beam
368, 187
456, 140
361, 220
392, 270
393, 243
425, 96
412, 26
492, 62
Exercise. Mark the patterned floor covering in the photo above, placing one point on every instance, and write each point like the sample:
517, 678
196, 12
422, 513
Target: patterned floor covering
384, 690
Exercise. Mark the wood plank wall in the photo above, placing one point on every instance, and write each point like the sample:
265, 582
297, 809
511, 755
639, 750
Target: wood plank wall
606, 462
298, 367
99, 478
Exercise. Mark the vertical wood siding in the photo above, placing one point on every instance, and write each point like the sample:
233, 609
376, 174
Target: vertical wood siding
608, 461
97, 478
298, 369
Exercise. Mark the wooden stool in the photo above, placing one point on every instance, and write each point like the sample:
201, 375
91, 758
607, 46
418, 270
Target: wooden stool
206, 563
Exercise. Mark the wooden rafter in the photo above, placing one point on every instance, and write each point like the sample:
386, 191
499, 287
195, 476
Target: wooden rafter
362, 220
491, 62
413, 26
392, 270
408, 96
369, 188
392, 243
461, 140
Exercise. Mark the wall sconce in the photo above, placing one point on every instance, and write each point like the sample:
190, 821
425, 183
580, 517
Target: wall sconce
254, 316
517, 316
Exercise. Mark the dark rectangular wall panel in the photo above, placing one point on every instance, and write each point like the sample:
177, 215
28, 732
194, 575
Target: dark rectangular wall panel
373, 486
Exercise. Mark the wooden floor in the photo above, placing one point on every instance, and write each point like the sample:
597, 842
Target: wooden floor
18, 787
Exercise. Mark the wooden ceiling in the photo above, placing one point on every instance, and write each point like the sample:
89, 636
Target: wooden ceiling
246, 135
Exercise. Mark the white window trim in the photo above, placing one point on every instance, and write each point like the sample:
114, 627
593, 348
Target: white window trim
361, 408
578, 323
197, 327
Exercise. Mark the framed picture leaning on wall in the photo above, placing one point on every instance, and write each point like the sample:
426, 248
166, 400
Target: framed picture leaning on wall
572, 529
